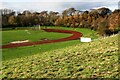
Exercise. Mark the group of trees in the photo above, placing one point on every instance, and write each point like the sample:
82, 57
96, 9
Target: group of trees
102, 20
28, 19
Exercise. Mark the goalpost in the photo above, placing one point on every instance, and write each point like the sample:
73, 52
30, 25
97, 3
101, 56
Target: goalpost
39, 27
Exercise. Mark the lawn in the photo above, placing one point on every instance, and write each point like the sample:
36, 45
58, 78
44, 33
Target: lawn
31, 35
97, 59
19, 52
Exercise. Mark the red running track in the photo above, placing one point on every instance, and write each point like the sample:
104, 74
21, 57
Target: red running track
75, 35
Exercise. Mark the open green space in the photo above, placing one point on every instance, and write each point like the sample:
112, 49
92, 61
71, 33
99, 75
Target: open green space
31, 35
97, 59
18, 52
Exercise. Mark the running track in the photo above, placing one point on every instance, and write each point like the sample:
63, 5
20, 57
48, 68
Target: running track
75, 35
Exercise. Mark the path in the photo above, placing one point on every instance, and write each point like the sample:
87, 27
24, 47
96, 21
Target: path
75, 35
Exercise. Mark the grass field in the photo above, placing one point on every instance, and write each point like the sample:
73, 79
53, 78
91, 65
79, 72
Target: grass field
97, 59
31, 35
19, 52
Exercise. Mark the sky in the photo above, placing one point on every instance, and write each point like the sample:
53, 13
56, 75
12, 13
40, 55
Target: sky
57, 5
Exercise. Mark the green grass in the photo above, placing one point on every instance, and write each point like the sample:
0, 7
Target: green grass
18, 52
97, 59
31, 35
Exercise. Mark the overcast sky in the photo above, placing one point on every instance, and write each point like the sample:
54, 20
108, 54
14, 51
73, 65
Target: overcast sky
57, 5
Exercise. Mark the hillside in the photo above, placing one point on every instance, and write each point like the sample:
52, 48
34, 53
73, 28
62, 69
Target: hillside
98, 59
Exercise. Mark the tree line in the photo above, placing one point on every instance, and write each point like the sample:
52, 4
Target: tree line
102, 20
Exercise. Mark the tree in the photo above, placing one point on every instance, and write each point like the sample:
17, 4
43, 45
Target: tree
26, 12
68, 12
104, 11
85, 15
102, 27
11, 20
53, 16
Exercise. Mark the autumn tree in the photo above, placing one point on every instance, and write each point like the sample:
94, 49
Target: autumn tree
53, 16
104, 11
102, 27
12, 21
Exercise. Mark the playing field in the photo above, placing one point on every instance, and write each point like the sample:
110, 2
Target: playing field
31, 35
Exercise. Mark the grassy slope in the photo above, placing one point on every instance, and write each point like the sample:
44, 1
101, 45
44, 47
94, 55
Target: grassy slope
13, 53
96, 59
